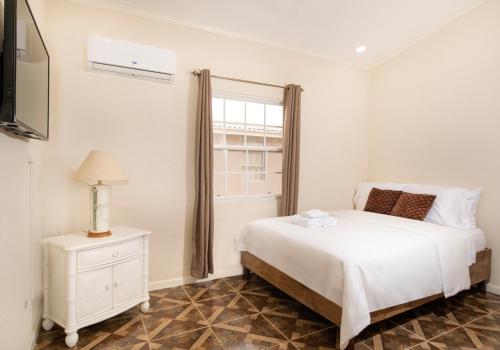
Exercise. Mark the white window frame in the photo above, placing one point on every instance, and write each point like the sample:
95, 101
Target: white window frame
264, 148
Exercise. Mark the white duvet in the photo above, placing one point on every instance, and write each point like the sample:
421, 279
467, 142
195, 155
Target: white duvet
367, 262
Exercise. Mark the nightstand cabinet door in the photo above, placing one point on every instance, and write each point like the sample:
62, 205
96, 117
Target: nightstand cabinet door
127, 281
95, 292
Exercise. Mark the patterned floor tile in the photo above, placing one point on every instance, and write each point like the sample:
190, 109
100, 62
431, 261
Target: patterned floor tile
455, 309
324, 340
201, 339
117, 333
487, 302
426, 346
426, 323
386, 335
52, 341
173, 321
160, 299
232, 313
283, 346
208, 290
134, 311
296, 321
239, 283
488, 326
226, 308
464, 338
252, 332
268, 298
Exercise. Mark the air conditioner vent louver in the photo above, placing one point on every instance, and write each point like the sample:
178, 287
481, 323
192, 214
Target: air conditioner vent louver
130, 59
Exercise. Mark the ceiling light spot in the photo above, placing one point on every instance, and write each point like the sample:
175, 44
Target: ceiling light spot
360, 49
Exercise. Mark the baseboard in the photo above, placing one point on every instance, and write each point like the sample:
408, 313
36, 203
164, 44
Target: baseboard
493, 289
179, 281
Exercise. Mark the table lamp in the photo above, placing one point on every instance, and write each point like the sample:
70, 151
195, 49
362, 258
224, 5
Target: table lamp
97, 168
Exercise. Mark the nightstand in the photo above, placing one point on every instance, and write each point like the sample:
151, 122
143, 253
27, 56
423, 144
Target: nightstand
87, 280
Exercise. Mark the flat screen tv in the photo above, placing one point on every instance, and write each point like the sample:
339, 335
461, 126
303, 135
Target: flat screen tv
24, 73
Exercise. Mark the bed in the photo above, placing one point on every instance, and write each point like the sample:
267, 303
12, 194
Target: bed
368, 267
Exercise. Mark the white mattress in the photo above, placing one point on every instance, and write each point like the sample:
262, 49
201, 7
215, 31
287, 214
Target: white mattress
368, 261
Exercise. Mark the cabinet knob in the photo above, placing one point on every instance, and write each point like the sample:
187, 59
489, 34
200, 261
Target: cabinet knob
116, 284
106, 287
115, 254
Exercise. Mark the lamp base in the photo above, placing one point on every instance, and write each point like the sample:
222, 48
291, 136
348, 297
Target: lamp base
91, 234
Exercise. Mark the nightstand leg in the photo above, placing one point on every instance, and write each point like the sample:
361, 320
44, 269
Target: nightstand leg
71, 338
47, 324
145, 307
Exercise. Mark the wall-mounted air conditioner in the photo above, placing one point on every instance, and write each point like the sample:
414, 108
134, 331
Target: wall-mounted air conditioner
132, 59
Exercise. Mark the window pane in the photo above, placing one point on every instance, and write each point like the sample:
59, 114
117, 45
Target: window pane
274, 160
255, 140
239, 124
255, 161
255, 113
274, 141
218, 126
273, 183
274, 115
236, 161
236, 185
218, 161
235, 140
235, 111
255, 129
217, 109
218, 139
256, 183
219, 185
274, 130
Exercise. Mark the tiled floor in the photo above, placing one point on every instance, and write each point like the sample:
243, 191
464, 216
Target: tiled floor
232, 313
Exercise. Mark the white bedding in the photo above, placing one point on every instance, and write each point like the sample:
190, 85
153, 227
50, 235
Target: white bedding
368, 261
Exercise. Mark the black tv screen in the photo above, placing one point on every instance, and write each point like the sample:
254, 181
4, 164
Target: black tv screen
24, 107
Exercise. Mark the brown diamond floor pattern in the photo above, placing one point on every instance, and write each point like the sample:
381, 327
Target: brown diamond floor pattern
226, 308
296, 321
232, 313
202, 339
249, 333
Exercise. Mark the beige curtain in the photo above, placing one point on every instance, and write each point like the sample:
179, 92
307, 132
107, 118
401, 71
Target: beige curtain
203, 229
291, 150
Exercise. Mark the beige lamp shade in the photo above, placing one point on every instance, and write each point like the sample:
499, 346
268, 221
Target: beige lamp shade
100, 166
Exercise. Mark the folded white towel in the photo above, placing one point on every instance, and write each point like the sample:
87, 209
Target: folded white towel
314, 213
314, 222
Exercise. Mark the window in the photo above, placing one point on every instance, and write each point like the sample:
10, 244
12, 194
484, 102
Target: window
248, 146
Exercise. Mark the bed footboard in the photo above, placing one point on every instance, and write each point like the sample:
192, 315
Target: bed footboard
479, 275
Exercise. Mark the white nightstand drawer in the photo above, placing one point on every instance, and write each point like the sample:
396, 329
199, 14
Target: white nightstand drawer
99, 256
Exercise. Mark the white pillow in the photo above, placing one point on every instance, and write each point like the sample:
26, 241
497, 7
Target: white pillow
453, 206
363, 191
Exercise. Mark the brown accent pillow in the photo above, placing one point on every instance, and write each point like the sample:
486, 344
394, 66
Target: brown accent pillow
413, 206
382, 201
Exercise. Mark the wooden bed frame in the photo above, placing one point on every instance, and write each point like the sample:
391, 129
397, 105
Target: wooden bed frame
479, 276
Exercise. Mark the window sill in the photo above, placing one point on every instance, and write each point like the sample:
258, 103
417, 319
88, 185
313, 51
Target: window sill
247, 199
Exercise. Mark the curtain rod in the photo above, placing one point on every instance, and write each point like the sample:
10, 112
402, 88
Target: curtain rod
197, 73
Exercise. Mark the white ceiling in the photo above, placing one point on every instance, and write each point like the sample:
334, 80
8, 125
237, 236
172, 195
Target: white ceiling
328, 28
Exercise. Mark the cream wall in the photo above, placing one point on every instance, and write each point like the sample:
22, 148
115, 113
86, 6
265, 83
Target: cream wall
149, 128
434, 119
20, 233
436, 115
